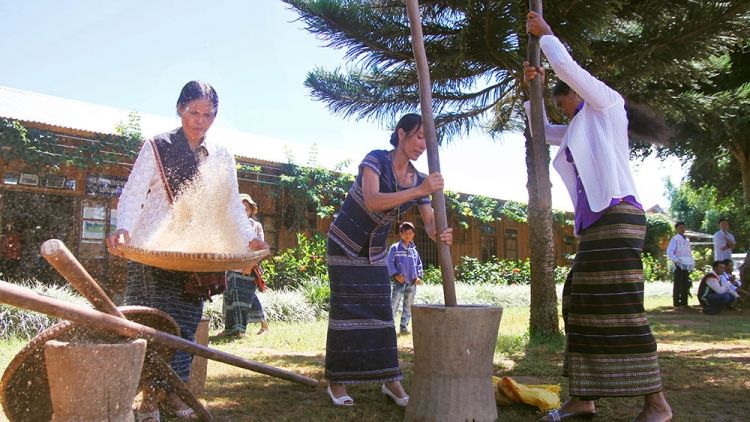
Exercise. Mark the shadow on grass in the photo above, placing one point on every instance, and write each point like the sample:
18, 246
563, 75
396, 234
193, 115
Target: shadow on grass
705, 366
690, 324
233, 394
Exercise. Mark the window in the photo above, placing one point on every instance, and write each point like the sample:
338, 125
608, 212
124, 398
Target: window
489, 247
95, 225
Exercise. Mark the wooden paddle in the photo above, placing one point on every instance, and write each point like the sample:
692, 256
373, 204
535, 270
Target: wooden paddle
58, 255
433, 160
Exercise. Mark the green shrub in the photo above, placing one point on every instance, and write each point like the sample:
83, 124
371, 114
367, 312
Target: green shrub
214, 312
703, 260
288, 306
22, 323
317, 291
659, 229
495, 271
561, 274
656, 269
432, 275
291, 267
508, 296
479, 294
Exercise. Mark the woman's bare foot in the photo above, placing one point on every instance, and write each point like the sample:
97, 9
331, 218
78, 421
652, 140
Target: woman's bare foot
573, 406
263, 328
655, 409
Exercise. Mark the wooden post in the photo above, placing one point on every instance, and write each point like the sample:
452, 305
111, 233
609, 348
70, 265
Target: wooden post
199, 367
538, 142
433, 160
93, 382
453, 353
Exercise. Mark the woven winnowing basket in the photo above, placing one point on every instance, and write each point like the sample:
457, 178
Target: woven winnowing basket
194, 262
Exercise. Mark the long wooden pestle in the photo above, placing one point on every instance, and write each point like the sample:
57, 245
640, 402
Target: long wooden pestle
24, 298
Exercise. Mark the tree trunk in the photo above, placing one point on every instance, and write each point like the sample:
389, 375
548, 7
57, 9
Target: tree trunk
745, 168
543, 320
743, 157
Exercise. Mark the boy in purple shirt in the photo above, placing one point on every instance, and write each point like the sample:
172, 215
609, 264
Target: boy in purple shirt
405, 268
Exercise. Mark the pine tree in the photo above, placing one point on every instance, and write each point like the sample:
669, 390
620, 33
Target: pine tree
650, 51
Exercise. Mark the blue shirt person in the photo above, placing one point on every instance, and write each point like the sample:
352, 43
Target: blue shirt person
405, 269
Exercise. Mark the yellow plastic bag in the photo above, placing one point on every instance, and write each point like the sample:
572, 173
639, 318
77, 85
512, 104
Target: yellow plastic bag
545, 397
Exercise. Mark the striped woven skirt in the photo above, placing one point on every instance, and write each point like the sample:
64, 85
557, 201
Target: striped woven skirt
241, 303
361, 345
162, 289
609, 348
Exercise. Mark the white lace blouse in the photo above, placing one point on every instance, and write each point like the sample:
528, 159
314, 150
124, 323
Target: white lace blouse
144, 204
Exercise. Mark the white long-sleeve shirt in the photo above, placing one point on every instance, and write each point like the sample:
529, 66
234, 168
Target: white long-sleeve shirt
144, 204
720, 241
679, 245
718, 287
597, 136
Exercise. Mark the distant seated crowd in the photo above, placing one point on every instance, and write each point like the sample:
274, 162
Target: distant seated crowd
720, 289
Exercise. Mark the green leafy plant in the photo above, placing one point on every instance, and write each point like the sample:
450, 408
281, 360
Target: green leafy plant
311, 188
659, 229
656, 268
432, 275
295, 265
288, 306
495, 271
317, 291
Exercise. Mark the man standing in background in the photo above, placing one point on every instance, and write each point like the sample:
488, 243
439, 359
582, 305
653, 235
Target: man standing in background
723, 242
681, 255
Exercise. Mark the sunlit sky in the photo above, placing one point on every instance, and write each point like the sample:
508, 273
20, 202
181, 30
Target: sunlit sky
137, 55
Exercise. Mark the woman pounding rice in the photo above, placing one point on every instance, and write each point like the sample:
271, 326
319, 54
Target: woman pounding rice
610, 351
361, 345
146, 203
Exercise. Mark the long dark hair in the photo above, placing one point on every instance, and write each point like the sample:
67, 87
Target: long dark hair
195, 90
643, 124
410, 123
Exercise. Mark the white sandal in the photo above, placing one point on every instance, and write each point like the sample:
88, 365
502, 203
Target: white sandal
401, 401
140, 417
341, 401
184, 413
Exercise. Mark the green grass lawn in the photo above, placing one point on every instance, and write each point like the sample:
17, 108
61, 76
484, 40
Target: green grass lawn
705, 364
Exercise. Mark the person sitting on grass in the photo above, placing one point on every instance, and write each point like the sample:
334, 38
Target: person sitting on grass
405, 268
712, 294
728, 277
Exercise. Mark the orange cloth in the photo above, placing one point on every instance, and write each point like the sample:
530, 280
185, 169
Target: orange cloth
545, 397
